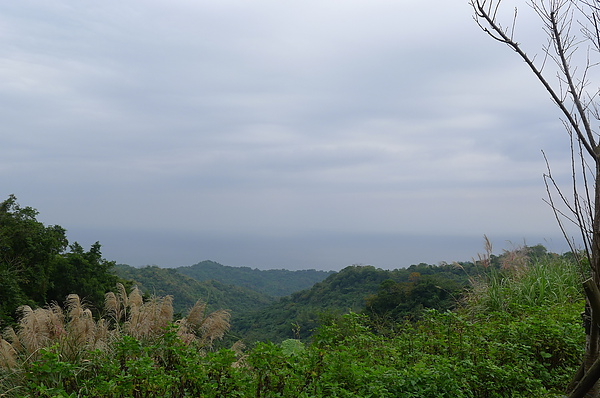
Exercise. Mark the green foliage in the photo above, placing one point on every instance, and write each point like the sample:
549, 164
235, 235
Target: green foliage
291, 347
275, 283
50, 376
449, 354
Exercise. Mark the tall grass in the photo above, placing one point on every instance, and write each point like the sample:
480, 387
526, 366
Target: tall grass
526, 283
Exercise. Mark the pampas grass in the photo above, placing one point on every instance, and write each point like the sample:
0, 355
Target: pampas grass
8, 355
202, 327
75, 332
148, 320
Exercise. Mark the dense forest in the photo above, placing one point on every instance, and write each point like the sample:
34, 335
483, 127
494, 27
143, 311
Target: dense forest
77, 325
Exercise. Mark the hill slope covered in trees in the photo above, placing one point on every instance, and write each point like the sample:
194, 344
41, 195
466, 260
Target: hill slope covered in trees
276, 283
355, 288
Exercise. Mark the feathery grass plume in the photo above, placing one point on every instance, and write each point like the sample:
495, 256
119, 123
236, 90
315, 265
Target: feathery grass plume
135, 298
188, 325
74, 331
122, 292
165, 314
81, 324
122, 302
103, 335
116, 304
112, 306
238, 347
133, 325
33, 329
56, 321
516, 260
202, 327
215, 326
150, 319
134, 303
196, 314
143, 323
85, 327
11, 336
485, 259
8, 355
74, 307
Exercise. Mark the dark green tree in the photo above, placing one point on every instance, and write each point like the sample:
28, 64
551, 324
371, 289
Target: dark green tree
28, 252
396, 301
86, 274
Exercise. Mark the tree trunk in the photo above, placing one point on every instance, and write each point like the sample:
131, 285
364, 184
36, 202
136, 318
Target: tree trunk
592, 339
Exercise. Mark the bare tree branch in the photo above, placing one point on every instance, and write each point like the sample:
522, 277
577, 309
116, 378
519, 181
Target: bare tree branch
495, 30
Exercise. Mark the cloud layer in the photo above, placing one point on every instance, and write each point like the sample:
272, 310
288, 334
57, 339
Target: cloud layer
310, 124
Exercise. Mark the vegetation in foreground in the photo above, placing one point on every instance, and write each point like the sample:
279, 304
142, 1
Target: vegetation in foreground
518, 334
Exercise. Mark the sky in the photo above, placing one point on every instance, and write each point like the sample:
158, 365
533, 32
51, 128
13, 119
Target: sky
276, 134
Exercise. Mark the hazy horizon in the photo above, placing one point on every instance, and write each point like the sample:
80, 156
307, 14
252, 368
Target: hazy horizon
302, 252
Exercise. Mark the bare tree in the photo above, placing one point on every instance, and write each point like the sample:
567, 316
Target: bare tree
565, 68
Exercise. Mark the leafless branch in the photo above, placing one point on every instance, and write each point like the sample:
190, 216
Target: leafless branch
555, 23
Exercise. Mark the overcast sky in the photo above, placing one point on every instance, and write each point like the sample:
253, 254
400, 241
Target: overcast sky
275, 134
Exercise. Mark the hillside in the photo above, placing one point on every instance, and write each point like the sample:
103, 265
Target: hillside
186, 291
297, 315
276, 283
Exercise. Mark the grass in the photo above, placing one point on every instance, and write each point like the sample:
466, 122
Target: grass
525, 283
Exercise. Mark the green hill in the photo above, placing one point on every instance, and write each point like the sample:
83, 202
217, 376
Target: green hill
186, 291
400, 293
276, 283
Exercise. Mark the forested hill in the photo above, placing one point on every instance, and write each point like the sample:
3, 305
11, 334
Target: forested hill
186, 291
276, 283
399, 293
